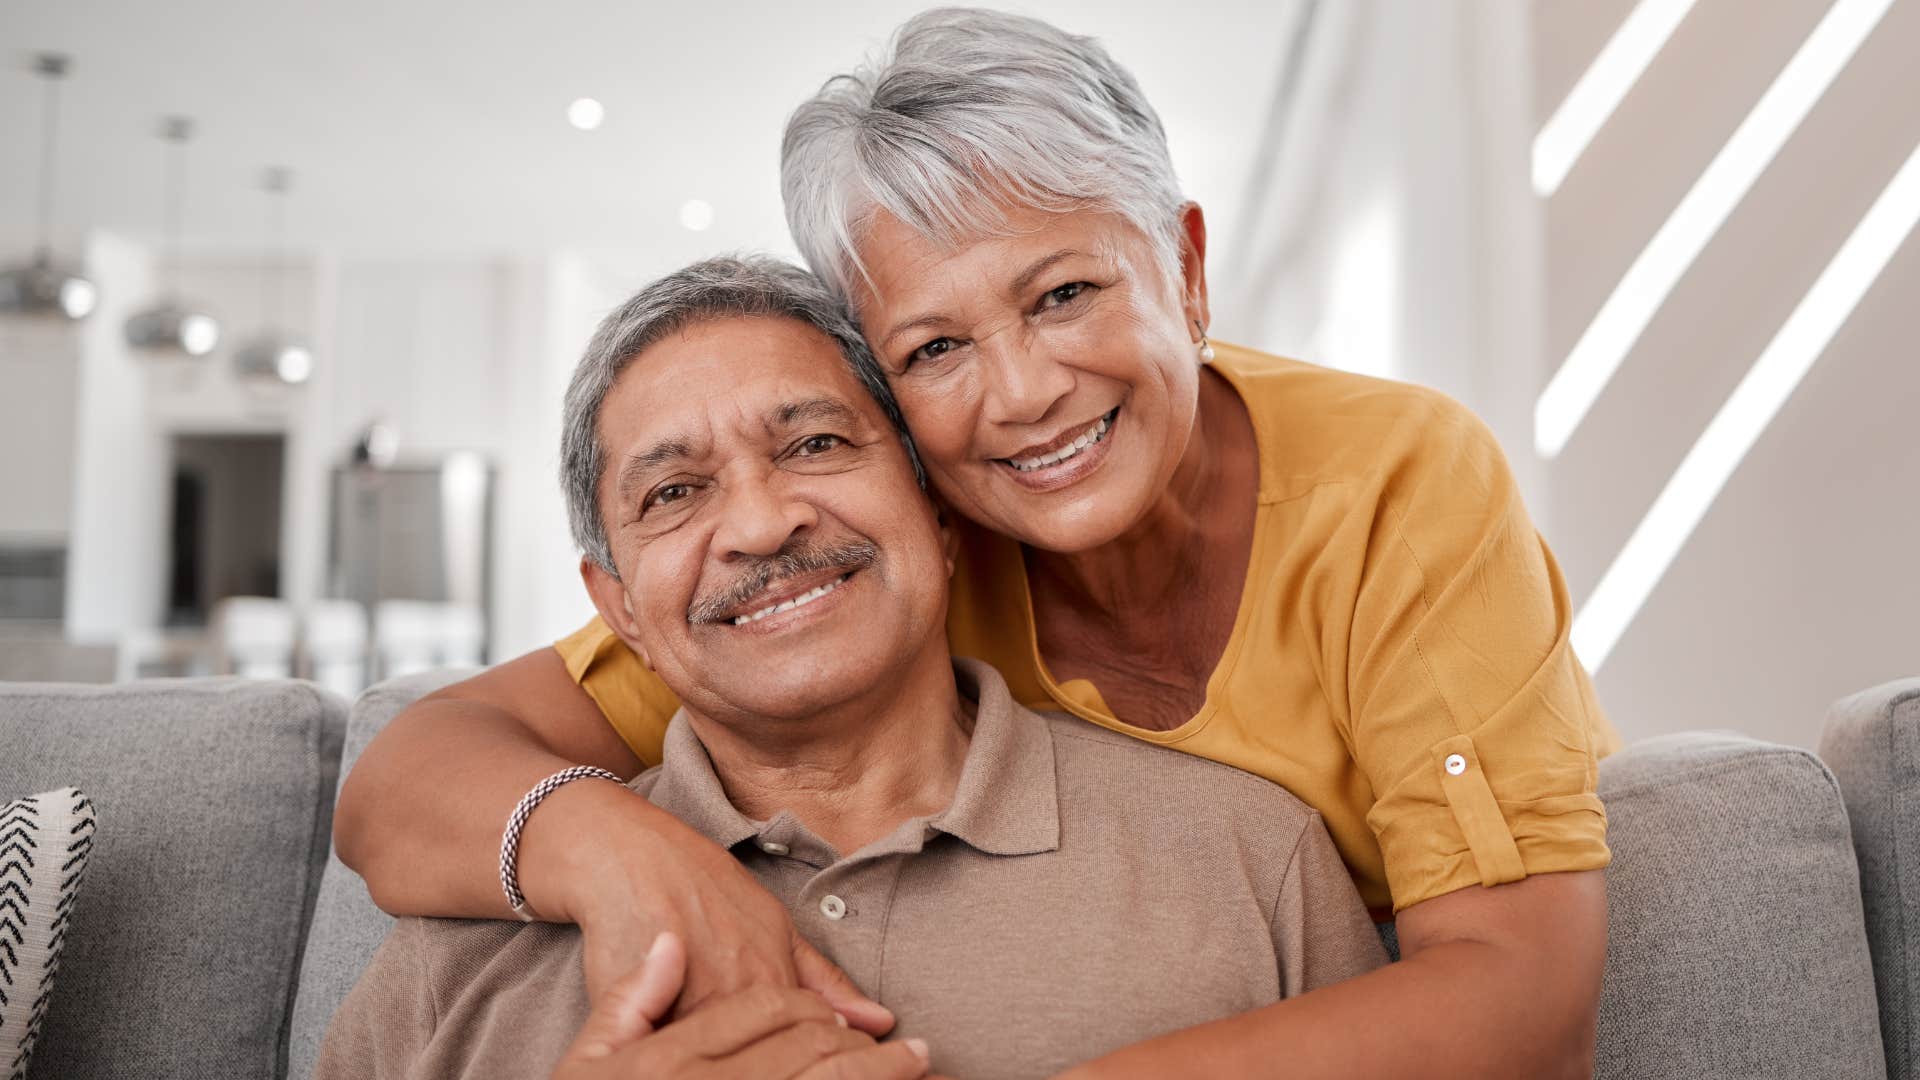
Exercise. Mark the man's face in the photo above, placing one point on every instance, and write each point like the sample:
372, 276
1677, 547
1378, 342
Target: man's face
776, 556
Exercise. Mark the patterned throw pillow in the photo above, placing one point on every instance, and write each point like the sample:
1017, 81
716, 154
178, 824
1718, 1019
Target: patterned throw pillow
44, 843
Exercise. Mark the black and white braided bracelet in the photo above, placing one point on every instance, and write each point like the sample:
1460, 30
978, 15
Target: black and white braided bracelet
510, 840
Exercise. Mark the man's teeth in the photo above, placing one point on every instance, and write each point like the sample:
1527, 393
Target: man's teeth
1091, 436
803, 599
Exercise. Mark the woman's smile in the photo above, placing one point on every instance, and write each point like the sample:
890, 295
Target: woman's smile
1065, 460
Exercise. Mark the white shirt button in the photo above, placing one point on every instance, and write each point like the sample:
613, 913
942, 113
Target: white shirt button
1456, 764
833, 907
772, 848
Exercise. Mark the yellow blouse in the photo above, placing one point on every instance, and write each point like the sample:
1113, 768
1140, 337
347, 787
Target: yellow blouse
1400, 660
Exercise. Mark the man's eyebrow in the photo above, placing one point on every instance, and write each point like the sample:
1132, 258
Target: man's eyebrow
812, 410
637, 466
1020, 284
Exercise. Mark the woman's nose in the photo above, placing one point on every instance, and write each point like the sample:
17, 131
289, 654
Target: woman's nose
1021, 384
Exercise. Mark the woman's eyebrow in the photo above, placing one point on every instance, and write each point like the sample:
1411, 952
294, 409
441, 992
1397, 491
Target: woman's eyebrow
915, 323
1036, 268
1020, 284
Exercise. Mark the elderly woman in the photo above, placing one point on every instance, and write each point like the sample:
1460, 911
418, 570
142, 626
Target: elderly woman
1320, 578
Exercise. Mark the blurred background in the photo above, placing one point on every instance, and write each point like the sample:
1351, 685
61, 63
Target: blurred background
292, 291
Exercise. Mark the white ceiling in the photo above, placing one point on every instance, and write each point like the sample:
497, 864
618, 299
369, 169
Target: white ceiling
436, 127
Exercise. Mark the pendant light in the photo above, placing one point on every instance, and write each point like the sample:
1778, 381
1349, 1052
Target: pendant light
171, 326
43, 286
275, 356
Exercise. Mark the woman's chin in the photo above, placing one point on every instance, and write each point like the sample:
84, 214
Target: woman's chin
1067, 522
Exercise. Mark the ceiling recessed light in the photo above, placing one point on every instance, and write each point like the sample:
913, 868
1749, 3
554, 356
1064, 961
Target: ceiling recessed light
696, 214
586, 114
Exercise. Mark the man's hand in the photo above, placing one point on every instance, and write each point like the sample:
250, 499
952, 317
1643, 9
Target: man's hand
669, 879
783, 1034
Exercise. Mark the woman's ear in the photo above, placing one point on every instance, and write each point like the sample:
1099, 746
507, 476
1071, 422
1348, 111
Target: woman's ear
1193, 265
610, 599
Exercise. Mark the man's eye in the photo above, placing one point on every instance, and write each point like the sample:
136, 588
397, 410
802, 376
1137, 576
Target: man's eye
1065, 294
671, 493
818, 444
932, 350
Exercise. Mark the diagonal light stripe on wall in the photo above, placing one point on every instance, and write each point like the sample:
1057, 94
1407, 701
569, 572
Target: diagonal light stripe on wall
1593, 99
1747, 412
1621, 320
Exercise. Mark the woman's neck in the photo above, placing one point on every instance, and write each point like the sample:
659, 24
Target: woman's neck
1152, 566
852, 773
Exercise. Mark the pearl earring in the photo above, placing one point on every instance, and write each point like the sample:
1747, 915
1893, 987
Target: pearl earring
1206, 351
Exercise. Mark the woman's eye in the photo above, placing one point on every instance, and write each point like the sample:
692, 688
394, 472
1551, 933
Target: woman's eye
817, 444
1065, 294
932, 350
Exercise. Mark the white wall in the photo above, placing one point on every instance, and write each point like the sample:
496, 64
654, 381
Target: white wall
40, 374
1802, 583
1391, 228
115, 566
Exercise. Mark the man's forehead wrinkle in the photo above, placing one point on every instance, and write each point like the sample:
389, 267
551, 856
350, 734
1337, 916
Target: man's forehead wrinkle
831, 409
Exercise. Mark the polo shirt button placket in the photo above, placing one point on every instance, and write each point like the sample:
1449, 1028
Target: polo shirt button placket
833, 907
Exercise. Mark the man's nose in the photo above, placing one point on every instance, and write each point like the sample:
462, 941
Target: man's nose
1021, 383
758, 517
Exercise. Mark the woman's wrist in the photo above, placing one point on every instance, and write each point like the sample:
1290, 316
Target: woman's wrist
577, 847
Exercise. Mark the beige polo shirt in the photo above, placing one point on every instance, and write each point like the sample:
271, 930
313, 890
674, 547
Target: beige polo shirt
1084, 891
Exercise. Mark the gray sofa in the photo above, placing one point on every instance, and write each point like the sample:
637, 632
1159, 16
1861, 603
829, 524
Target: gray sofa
215, 934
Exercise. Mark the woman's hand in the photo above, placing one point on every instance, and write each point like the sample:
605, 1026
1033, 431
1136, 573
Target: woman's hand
645, 874
759, 1032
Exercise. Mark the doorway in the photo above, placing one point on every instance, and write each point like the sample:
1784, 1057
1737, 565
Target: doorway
225, 537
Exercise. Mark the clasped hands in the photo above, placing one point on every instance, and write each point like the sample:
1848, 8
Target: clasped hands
762, 1031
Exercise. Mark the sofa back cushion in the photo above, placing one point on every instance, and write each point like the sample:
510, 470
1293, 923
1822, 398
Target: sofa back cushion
1736, 945
347, 928
1872, 743
215, 798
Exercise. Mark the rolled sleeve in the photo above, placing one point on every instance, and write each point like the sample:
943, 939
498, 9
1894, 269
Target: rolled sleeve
1469, 713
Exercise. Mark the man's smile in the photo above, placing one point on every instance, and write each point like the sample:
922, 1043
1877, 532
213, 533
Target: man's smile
790, 600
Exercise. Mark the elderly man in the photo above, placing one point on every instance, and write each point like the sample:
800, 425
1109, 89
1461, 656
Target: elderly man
1023, 892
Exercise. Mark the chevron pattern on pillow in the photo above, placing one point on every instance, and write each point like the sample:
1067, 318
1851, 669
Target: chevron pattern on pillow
45, 840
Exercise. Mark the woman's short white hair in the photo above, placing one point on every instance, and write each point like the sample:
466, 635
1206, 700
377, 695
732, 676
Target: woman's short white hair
968, 113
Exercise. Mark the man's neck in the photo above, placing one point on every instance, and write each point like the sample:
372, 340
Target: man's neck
854, 772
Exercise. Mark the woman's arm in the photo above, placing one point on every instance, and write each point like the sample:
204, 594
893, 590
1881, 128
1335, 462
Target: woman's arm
420, 818
421, 813
1492, 982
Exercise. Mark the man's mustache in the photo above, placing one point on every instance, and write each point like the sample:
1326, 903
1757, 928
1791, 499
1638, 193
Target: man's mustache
801, 557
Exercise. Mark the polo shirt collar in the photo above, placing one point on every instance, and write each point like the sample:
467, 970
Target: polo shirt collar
1008, 798
1007, 801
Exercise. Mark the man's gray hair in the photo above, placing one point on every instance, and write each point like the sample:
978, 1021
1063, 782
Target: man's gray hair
968, 113
728, 287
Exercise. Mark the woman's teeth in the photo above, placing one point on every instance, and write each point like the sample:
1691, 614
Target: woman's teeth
1087, 438
802, 600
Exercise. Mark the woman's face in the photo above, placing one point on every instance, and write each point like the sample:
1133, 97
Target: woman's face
1049, 377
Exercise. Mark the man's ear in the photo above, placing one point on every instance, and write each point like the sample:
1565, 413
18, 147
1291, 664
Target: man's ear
1193, 265
609, 595
949, 536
